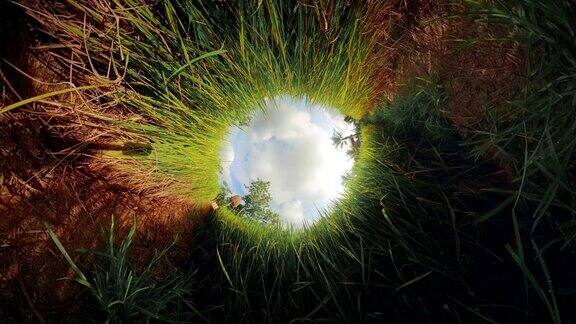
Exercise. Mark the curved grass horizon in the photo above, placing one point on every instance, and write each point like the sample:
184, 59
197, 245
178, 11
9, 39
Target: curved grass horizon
187, 87
439, 221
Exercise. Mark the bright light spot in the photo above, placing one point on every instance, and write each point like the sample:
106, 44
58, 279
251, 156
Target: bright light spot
291, 146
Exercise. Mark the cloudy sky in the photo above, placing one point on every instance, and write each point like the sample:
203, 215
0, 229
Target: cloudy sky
290, 146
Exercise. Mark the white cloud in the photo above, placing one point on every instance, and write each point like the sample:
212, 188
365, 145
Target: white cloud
227, 156
292, 213
293, 150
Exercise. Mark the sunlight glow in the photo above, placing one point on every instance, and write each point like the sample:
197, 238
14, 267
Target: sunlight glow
290, 145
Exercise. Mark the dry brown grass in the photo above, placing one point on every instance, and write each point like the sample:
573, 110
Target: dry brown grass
48, 177
474, 61
78, 202
80, 123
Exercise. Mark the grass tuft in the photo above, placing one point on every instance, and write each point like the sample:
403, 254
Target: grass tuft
124, 294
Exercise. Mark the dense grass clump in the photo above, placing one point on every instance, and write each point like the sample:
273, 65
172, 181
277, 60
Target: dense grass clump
184, 72
535, 131
404, 237
123, 294
437, 224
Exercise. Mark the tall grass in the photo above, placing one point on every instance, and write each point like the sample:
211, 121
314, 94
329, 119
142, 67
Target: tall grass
535, 131
180, 74
535, 134
124, 294
400, 245
417, 236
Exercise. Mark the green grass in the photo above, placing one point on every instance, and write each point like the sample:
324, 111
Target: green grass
535, 132
429, 230
187, 77
123, 294
401, 239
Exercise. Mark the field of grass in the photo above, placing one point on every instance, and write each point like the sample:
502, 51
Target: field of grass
439, 223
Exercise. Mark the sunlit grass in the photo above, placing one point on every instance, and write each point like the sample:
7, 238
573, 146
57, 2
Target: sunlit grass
383, 236
407, 241
189, 71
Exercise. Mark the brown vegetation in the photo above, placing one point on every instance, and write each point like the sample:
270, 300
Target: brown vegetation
477, 63
45, 177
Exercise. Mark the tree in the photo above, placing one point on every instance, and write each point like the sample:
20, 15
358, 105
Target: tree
353, 141
257, 203
224, 194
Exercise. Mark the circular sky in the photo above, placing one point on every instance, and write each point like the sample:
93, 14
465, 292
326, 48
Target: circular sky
290, 145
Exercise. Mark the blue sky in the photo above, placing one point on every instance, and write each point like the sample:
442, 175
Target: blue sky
290, 146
